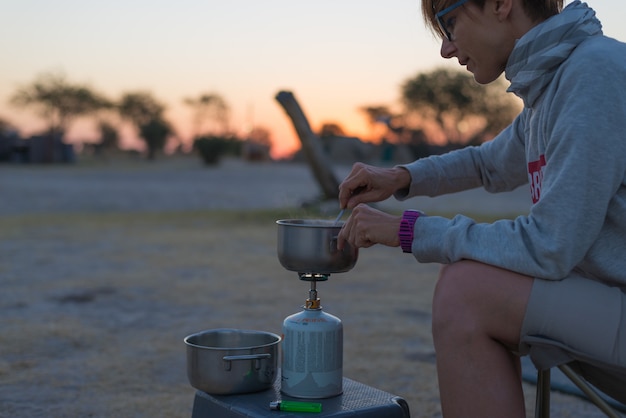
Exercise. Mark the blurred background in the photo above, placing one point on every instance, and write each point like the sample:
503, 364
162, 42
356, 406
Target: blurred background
153, 77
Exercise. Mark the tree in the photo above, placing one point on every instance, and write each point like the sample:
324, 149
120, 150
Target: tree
377, 114
382, 114
139, 108
58, 101
260, 136
464, 110
155, 132
146, 113
331, 129
109, 136
209, 107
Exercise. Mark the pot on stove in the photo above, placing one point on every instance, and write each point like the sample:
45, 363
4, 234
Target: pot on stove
310, 246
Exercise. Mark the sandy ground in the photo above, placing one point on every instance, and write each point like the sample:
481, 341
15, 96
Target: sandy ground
184, 184
106, 267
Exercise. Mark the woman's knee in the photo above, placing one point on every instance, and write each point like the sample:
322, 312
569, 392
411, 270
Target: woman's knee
452, 299
455, 285
472, 297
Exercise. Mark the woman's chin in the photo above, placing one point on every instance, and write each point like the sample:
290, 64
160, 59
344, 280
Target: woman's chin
482, 78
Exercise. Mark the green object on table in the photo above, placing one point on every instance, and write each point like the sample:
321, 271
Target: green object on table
295, 406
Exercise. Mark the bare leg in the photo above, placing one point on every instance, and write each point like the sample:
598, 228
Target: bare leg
477, 317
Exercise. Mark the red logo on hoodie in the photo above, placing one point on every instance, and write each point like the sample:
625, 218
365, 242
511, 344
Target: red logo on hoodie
535, 176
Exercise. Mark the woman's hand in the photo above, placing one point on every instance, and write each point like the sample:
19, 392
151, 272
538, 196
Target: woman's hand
367, 226
367, 183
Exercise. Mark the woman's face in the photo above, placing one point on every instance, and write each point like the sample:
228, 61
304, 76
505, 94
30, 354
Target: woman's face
480, 40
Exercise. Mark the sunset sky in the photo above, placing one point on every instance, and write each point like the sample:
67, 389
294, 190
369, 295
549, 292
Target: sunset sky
334, 55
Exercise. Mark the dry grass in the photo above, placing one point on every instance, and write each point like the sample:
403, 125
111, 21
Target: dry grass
94, 308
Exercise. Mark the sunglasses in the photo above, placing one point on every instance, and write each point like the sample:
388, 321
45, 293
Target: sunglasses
439, 16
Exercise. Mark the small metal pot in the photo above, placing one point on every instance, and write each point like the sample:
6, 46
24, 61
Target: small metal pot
310, 246
230, 361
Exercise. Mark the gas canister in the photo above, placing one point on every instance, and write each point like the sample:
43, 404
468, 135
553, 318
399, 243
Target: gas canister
312, 350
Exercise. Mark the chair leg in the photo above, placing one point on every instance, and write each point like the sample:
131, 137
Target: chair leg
588, 391
542, 399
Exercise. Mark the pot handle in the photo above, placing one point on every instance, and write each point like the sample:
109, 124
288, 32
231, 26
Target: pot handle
333, 244
256, 357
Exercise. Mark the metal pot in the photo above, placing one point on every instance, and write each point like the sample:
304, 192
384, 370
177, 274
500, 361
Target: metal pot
310, 246
230, 361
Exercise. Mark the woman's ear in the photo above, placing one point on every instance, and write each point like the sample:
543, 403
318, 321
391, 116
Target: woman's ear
502, 8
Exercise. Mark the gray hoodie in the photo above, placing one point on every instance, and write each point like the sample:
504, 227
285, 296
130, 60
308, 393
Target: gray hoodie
568, 145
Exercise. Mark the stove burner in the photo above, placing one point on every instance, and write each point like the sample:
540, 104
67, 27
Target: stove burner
313, 277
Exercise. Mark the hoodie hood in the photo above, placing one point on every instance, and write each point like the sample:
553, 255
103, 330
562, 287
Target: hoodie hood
539, 53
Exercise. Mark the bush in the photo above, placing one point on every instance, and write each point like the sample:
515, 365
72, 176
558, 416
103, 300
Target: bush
212, 148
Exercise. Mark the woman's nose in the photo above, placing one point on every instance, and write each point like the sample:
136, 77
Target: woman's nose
448, 49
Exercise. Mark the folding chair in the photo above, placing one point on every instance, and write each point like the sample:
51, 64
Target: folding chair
594, 378
542, 401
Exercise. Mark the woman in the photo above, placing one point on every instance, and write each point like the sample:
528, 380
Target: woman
551, 283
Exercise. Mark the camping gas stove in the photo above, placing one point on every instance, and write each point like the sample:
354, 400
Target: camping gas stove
312, 365
312, 345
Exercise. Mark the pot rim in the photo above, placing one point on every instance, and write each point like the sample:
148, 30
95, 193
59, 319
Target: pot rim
311, 223
277, 337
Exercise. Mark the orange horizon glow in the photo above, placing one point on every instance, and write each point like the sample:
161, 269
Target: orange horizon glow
336, 57
285, 142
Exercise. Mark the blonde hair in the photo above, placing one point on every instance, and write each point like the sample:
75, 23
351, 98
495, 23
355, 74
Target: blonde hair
537, 10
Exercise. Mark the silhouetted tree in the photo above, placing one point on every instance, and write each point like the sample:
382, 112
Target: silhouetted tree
59, 101
209, 107
109, 136
454, 100
376, 114
331, 129
146, 114
139, 108
155, 132
261, 136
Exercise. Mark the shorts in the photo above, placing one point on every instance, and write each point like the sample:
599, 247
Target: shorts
576, 320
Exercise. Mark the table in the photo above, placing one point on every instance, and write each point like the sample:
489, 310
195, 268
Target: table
357, 400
